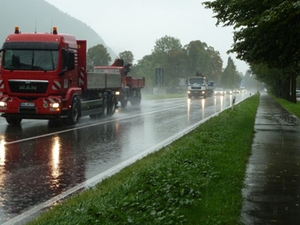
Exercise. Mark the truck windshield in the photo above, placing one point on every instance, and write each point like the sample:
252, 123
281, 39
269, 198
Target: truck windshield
44, 60
198, 81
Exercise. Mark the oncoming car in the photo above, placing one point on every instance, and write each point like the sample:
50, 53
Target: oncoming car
219, 91
228, 91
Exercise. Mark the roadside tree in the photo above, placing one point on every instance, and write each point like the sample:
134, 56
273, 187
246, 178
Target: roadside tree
97, 56
265, 33
127, 56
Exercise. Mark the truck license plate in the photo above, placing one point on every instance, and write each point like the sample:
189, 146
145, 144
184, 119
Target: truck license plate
27, 104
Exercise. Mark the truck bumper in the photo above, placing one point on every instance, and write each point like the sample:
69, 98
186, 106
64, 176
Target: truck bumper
50, 107
196, 93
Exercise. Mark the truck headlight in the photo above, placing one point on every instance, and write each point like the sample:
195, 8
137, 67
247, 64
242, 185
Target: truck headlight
3, 104
54, 105
117, 93
189, 92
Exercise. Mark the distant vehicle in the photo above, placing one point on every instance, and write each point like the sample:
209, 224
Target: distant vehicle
219, 91
199, 86
236, 91
228, 91
298, 93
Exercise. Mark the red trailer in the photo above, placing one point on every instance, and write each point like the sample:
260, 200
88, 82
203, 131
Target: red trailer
131, 87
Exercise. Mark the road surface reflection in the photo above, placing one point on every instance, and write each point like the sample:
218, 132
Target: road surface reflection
38, 162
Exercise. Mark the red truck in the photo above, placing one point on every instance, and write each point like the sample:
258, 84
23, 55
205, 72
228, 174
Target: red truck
43, 76
131, 87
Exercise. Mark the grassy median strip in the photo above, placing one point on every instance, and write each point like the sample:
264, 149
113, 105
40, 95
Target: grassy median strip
195, 180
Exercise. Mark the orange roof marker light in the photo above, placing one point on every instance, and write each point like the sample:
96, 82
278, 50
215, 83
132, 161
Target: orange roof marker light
17, 31
54, 30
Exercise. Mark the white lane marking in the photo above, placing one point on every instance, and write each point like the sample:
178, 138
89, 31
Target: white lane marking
86, 126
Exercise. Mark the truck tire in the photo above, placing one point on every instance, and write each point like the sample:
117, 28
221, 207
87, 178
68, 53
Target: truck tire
136, 101
123, 102
105, 107
104, 112
73, 114
13, 120
111, 105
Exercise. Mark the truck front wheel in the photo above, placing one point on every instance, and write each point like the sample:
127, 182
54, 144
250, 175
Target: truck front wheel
73, 114
13, 120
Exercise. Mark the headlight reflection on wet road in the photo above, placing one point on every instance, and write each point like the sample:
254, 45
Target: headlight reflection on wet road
2, 151
55, 169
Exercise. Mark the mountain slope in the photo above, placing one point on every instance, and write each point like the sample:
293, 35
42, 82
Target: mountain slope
40, 16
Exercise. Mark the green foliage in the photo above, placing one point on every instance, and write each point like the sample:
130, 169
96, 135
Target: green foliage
166, 44
204, 59
230, 77
266, 33
195, 180
127, 56
179, 62
97, 56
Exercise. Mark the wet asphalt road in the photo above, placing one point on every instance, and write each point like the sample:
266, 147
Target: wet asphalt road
39, 161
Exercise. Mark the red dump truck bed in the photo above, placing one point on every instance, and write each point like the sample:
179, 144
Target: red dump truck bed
135, 82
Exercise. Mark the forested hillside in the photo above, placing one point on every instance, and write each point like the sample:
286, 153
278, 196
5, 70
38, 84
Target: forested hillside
40, 16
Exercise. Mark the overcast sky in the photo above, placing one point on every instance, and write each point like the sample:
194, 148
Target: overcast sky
135, 25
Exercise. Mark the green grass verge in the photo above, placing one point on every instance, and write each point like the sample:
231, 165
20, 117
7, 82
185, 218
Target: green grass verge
289, 106
195, 180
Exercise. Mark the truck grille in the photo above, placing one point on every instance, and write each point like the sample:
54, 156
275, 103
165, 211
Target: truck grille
196, 88
24, 86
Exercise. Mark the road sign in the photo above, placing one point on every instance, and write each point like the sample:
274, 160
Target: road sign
159, 76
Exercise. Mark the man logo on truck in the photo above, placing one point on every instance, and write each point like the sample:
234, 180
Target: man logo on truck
28, 87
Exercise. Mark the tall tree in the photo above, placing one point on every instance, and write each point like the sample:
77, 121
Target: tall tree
127, 56
203, 58
97, 56
167, 43
230, 77
166, 54
145, 68
174, 65
265, 32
